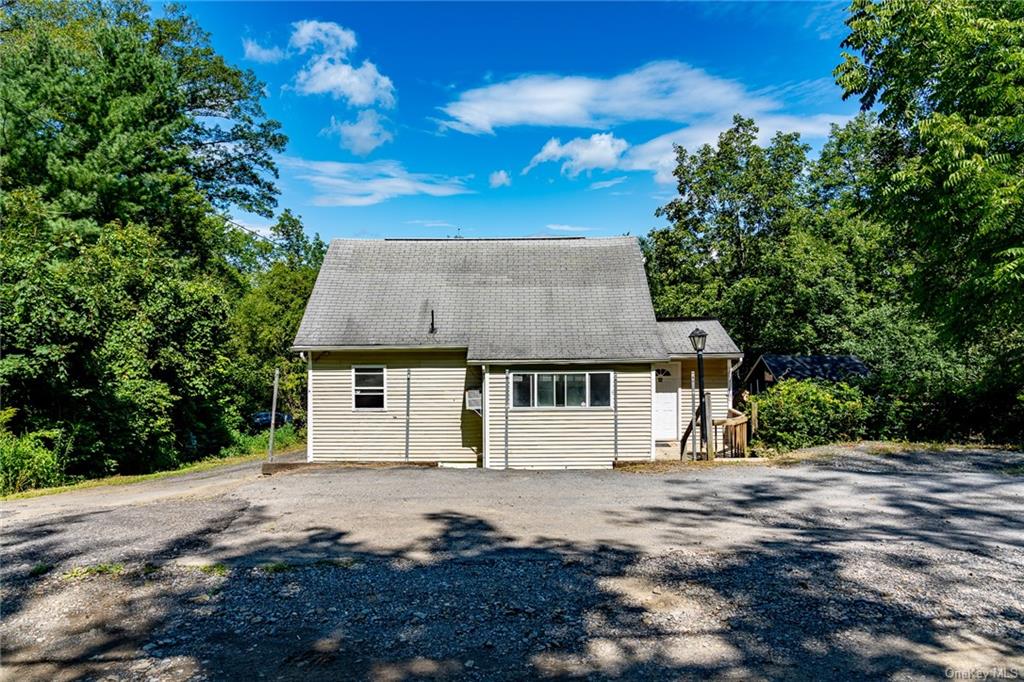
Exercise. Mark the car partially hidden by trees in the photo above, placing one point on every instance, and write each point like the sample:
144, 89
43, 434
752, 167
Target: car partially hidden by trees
263, 420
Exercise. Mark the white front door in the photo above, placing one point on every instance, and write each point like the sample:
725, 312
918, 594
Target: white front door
666, 401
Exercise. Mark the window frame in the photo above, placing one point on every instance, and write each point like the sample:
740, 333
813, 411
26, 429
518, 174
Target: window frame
534, 389
383, 389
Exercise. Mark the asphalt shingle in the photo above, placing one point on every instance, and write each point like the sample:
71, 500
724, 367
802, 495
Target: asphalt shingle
501, 299
829, 367
675, 334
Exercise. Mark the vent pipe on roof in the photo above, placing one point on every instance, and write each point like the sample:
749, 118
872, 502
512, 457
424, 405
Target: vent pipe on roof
433, 328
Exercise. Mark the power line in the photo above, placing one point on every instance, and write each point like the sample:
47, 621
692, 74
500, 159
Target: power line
249, 230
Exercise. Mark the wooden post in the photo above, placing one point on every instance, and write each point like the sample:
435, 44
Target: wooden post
273, 417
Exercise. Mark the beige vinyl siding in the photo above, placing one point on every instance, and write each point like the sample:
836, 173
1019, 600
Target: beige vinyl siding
571, 438
440, 429
716, 382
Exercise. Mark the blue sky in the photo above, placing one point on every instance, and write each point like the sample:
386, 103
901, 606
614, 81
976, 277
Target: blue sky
506, 119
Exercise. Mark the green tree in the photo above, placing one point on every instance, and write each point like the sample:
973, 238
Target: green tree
113, 116
744, 245
123, 138
267, 317
948, 81
115, 343
824, 273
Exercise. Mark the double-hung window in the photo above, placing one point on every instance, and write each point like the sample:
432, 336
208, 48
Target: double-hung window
562, 389
368, 387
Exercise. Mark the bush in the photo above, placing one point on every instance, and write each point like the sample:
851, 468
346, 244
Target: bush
796, 414
246, 444
31, 460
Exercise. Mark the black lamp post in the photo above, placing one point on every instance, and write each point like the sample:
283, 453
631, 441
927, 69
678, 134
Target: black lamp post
699, 337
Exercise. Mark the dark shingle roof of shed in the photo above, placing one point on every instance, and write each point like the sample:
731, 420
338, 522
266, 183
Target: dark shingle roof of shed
675, 334
501, 299
830, 367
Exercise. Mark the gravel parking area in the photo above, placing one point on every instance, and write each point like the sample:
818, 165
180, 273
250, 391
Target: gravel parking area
866, 561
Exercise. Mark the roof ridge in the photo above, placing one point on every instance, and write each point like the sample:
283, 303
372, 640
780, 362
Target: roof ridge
483, 239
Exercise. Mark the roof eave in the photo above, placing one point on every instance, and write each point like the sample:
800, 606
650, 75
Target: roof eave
335, 348
565, 361
717, 356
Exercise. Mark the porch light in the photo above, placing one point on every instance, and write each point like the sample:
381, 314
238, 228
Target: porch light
698, 337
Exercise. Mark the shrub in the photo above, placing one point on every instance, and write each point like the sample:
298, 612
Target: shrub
31, 460
795, 414
247, 444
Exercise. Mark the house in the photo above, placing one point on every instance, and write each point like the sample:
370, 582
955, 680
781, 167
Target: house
505, 353
771, 368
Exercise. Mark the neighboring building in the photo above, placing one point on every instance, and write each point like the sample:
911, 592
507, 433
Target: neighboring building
505, 353
771, 368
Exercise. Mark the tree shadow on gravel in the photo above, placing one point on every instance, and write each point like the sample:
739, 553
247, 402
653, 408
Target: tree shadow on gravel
471, 604
827, 597
830, 593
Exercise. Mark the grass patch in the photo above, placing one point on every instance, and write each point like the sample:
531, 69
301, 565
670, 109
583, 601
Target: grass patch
95, 569
668, 465
149, 569
214, 569
1014, 470
42, 568
202, 465
276, 567
796, 457
343, 562
896, 448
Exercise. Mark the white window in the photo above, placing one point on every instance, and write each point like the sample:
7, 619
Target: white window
562, 389
368, 387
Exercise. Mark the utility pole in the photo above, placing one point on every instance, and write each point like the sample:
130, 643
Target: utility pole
273, 417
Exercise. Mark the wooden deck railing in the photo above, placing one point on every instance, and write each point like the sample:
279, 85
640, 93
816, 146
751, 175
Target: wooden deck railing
734, 434
737, 430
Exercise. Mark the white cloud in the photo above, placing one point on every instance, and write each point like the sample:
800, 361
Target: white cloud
605, 184
658, 155
361, 136
330, 36
827, 20
499, 178
606, 152
662, 91
659, 91
264, 55
365, 184
329, 70
560, 227
600, 150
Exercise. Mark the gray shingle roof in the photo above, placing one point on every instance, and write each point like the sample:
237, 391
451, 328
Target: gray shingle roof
501, 299
675, 334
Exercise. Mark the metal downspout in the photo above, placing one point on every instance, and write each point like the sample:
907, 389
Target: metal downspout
508, 399
408, 401
615, 412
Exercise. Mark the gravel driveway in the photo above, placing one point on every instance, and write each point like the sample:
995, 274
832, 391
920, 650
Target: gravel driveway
898, 565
